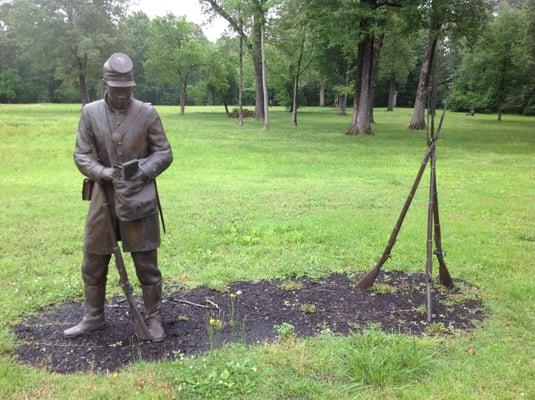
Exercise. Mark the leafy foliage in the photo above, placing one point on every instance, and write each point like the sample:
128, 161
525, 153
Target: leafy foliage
497, 68
73, 36
176, 51
173, 59
399, 51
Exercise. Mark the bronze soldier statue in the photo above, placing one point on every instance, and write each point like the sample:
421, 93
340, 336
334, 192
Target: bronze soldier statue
113, 133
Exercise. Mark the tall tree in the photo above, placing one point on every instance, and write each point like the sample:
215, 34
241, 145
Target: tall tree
73, 37
219, 73
332, 31
290, 37
358, 28
369, 43
176, 50
246, 17
453, 18
264, 71
133, 32
11, 81
526, 56
493, 74
398, 56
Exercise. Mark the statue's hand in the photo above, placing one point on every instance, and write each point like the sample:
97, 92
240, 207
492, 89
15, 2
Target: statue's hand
111, 174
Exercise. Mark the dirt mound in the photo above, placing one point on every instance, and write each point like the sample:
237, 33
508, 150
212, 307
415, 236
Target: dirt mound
203, 318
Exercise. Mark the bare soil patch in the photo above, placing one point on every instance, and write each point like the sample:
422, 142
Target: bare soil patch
249, 312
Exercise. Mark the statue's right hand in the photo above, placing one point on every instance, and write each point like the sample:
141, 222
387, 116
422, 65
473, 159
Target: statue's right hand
111, 174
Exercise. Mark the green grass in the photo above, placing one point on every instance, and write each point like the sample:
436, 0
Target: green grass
246, 204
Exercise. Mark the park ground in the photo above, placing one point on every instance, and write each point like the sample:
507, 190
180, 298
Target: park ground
248, 204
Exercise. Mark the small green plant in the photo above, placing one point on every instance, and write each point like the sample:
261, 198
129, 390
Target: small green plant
458, 298
290, 286
421, 309
285, 331
324, 327
286, 303
217, 378
183, 318
215, 328
449, 304
308, 308
436, 329
236, 323
378, 359
383, 288
135, 350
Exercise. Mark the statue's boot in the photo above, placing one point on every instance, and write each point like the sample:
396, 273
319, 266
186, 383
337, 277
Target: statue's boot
152, 296
93, 319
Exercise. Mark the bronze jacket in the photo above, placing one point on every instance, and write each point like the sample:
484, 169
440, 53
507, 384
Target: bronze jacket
140, 136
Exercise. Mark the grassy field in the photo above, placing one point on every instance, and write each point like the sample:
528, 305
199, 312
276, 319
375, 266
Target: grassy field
249, 204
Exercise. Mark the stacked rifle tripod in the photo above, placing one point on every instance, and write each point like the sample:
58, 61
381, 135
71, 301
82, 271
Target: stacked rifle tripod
433, 219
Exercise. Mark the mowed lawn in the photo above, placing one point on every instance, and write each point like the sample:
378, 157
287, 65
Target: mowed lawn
249, 204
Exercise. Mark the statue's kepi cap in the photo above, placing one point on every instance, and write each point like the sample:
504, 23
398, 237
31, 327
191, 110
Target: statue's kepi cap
118, 71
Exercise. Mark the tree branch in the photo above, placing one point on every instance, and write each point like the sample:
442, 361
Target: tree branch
235, 24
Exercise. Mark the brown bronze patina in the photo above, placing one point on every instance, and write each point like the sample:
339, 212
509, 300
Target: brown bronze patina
122, 147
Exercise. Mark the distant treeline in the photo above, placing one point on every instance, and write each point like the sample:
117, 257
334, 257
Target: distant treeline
316, 53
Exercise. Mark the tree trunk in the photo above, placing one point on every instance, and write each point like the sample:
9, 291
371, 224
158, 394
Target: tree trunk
296, 82
322, 94
256, 55
183, 88
240, 95
53, 84
343, 110
363, 119
264, 77
84, 95
392, 93
294, 100
225, 105
253, 44
362, 81
342, 98
418, 114
501, 87
82, 79
378, 44
358, 87
259, 92
342, 104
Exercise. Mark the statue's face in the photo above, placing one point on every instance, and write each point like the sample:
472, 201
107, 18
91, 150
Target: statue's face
119, 96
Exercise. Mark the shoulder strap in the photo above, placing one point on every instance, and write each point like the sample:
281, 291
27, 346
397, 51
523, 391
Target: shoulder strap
107, 137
